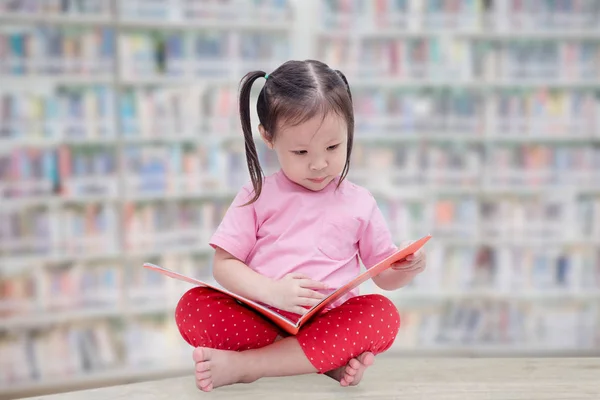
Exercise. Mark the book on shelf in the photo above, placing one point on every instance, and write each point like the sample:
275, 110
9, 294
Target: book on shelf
71, 8
56, 51
293, 324
502, 324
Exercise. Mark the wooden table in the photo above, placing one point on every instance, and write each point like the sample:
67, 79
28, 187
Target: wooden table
395, 378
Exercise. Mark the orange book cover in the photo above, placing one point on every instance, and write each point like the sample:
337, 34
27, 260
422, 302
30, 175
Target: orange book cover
284, 321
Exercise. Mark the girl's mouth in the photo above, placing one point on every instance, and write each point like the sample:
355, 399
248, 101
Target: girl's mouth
317, 180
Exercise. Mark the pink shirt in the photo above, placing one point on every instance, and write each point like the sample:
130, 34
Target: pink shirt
292, 229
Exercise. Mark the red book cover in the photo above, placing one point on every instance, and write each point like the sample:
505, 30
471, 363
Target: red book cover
286, 322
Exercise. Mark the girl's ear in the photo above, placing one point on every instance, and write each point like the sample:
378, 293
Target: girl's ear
265, 136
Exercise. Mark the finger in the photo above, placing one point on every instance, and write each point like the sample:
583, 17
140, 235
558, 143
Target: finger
402, 265
305, 301
311, 284
420, 269
420, 265
407, 266
418, 255
311, 294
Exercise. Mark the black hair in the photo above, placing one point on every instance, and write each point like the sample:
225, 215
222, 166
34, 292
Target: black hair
294, 93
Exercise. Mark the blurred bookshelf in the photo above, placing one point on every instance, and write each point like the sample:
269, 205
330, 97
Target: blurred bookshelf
476, 121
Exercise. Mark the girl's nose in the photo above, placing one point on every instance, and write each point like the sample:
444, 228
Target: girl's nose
318, 164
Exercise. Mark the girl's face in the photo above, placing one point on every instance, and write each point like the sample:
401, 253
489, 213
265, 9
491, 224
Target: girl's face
313, 153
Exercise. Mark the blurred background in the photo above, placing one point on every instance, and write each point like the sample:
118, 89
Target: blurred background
476, 121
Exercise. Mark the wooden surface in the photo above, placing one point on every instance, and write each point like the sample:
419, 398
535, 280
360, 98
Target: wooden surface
395, 378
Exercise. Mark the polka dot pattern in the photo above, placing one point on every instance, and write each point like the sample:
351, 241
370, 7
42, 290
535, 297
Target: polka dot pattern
208, 318
363, 323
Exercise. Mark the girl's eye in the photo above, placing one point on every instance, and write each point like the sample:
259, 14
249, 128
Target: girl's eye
299, 152
335, 146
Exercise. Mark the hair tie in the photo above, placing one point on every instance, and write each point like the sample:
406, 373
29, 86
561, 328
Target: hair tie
266, 76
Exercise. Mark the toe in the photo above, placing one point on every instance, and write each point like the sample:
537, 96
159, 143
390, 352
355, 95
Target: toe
202, 366
350, 371
204, 384
367, 358
199, 354
203, 375
354, 363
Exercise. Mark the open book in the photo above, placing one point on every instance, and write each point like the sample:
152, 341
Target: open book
289, 322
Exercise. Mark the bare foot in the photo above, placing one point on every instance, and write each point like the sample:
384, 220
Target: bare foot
216, 368
351, 373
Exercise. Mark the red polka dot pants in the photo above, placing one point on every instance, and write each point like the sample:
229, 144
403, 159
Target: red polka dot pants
208, 318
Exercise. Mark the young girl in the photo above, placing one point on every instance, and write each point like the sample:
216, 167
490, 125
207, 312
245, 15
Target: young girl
289, 237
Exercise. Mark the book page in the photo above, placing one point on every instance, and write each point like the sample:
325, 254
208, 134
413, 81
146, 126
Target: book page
283, 321
368, 274
264, 309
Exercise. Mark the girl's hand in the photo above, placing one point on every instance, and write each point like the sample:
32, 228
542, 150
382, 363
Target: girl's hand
294, 291
413, 263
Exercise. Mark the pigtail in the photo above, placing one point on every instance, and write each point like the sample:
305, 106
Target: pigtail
341, 75
350, 122
254, 168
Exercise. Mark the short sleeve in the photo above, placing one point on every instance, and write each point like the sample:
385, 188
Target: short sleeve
236, 234
375, 242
